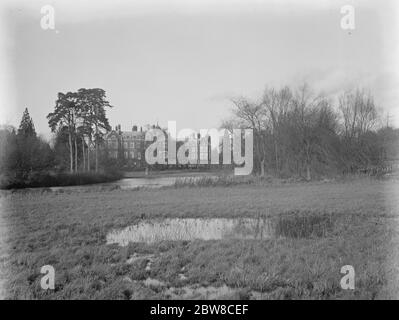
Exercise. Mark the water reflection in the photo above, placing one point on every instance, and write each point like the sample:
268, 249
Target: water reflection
124, 184
178, 229
142, 182
128, 183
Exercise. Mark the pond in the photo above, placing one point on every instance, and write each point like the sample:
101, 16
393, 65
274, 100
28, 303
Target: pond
131, 183
306, 225
180, 229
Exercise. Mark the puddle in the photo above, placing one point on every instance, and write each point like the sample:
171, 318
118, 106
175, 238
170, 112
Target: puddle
179, 229
200, 292
154, 283
138, 257
195, 291
147, 258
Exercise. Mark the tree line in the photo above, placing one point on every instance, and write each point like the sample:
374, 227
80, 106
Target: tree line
78, 122
22, 151
296, 133
300, 133
81, 116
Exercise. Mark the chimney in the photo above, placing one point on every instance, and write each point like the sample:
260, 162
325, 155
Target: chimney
141, 129
134, 129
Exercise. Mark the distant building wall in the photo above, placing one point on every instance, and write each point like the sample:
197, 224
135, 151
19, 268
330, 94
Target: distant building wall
129, 148
126, 145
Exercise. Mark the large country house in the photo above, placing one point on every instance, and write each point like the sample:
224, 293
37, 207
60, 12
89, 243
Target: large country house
128, 146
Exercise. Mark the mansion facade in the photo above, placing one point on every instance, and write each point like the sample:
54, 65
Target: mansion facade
128, 147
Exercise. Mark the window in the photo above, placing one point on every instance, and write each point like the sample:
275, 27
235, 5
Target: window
132, 154
139, 155
204, 153
114, 143
126, 155
133, 145
113, 154
125, 144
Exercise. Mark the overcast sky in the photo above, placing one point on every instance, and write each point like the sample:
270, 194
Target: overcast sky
183, 60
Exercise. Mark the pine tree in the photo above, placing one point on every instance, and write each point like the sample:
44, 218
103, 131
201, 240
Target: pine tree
26, 128
93, 103
65, 115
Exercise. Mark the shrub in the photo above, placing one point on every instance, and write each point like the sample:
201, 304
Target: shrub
39, 179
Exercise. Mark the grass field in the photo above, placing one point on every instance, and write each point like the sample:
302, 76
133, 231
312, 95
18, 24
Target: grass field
68, 231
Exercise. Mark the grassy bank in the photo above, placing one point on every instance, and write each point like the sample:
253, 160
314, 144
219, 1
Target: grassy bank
214, 181
68, 231
59, 179
225, 180
173, 173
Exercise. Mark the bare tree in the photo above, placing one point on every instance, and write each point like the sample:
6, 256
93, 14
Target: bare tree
250, 115
358, 112
276, 107
300, 131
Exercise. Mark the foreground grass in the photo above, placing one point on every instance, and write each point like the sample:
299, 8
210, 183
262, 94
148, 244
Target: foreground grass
68, 230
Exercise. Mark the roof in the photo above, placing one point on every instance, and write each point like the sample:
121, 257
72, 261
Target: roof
126, 134
133, 134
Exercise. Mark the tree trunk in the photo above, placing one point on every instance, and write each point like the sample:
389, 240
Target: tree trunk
308, 161
262, 168
76, 154
70, 152
83, 154
96, 146
88, 158
308, 177
276, 155
96, 156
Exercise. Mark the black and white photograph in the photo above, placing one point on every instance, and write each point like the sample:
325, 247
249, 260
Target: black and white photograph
216, 150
